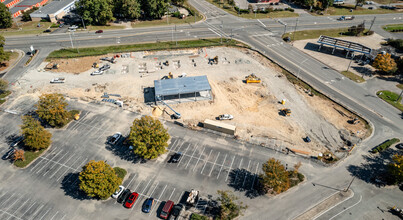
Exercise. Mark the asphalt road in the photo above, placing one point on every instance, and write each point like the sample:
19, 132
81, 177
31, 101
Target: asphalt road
206, 173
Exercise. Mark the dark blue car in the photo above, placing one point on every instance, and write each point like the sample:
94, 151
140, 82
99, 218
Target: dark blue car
147, 205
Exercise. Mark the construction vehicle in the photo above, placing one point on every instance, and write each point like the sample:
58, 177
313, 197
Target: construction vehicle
252, 78
286, 111
176, 114
95, 65
51, 66
193, 197
166, 63
397, 211
76, 116
111, 59
57, 80
213, 61
170, 75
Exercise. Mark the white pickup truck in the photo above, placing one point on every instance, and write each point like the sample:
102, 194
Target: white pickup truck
57, 80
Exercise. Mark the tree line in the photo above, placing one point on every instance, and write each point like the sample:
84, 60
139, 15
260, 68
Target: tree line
100, 12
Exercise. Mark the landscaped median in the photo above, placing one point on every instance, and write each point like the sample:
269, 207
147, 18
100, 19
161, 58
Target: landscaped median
393, 27
96, 51
391, 98
385, 145
353, 77
312, 34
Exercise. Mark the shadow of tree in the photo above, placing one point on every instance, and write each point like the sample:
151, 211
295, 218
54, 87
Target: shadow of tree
70, 186
245, 181
363, 70
124, 152
374, 168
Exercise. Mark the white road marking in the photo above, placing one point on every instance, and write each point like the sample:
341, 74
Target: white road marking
222, 165
229, 170
214, 164
171, 194
206, 161
246, 174
37, 210
183, 153
11, 215
4, 202
45, 214
128, 185
254, 177
61, 167
196, 147
54, 215
28, 209
20, 206
198, 159
47, 162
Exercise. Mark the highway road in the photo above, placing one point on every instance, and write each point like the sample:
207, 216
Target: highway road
264, 36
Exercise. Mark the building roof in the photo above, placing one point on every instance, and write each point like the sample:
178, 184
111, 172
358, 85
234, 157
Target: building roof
348, 45
53, 7
181, 85
27, 3
14, 10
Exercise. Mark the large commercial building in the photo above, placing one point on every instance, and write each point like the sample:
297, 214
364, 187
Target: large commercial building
54, 10
16, 7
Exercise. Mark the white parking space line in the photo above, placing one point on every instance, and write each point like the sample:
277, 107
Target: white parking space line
191, 157
246, 174
54, 215
11, 215
53, 165
20, 206
239, 167
171, 194
181, 195
4, 202
222, 165
45, 214
173, 144
82, 164
229, 170
184, 153
159, 197
63, 217
12, 204
214, 164
128, 185
206, 161
28, 209
39, 160
47, 162
154, 189
199, 159
61, 167
178, 146
254, 177
146, 187
61, 164
36, 211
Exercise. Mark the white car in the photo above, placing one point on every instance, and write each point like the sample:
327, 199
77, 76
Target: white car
97, 72
118, 192
114, 139
225, 117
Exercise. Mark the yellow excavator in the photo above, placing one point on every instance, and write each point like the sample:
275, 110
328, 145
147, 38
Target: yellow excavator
252, 78
286, 111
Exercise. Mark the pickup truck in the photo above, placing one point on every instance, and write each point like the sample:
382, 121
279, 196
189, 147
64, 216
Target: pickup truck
344, 18
57, 80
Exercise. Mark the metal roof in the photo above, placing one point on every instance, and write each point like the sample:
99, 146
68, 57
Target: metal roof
181, 85
348, 45
54, 7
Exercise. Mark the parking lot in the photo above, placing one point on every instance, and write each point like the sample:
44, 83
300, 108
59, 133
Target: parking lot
48, 188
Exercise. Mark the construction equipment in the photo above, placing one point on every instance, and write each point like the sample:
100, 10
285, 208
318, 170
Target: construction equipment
176, 115
76, 117
286, 111
51, 66
252, 78
170, 75
397, 211
192, 198
111, 59
95, 65
57, 80
213, 61
166, 63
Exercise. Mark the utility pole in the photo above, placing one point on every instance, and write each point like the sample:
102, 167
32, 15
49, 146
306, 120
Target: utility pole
349, 185
352, 56
372, 23
83, 22
176, 40
295, 29
74, 37
168, 15
399, 96
71, 40
285, 28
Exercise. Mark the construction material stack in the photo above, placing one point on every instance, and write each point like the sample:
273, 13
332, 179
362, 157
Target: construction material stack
252, 78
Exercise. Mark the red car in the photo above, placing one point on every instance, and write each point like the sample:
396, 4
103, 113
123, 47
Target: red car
99, 31
130, 201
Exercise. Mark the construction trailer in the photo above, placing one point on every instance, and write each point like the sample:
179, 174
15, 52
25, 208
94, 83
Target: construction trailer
185, 89
219, 126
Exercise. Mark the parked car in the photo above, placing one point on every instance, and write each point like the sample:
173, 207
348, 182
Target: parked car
399, 146
61, 25
177, 210
176, 157
99, 31
47, 31
97, 72
115, 138
17, 141
123, 196
118, 192
370, 8
307, 139
131, 200
225, 117
9, 154
166, 209
148, 204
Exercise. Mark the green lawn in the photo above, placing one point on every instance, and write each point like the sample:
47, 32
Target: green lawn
384, 2
345, 10
3, 96
95, 51
353, 76
120, 172
311, 34
29, 27
172, 20
29, 157
274, 14
391, 98
393, 27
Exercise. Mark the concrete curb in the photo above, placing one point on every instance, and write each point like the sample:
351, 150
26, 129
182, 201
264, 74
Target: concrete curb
20, 56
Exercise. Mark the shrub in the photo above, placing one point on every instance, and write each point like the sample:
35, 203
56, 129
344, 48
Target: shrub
120, 172
369, 33
384, 145
396, 43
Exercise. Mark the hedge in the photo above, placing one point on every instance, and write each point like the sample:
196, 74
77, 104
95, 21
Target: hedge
385, 145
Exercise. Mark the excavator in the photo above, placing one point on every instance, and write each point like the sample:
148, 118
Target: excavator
286, 111
213, 61
170, 76
252, 78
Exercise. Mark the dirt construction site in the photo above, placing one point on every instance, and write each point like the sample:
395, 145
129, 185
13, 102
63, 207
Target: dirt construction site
254, 106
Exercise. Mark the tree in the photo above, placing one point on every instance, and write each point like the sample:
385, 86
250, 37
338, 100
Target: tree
229, 209
3, 55
19, 155
326, 3
95, 12
148, 137
358, 2
98, 179
357, 30
178, 2
155, 8
130, 9
275, 176
35, 135
396, 168
52, 109
384, 63
3, 85
5, 17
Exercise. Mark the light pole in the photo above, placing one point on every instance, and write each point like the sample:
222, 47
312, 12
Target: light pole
352, 56
295, 29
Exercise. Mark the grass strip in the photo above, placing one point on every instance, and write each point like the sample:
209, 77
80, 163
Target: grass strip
346, 10
385, 145
391, 98
393, 27
311, 34
353, 76
96, 51
120, 172
400, 86
29, 157
3, 96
